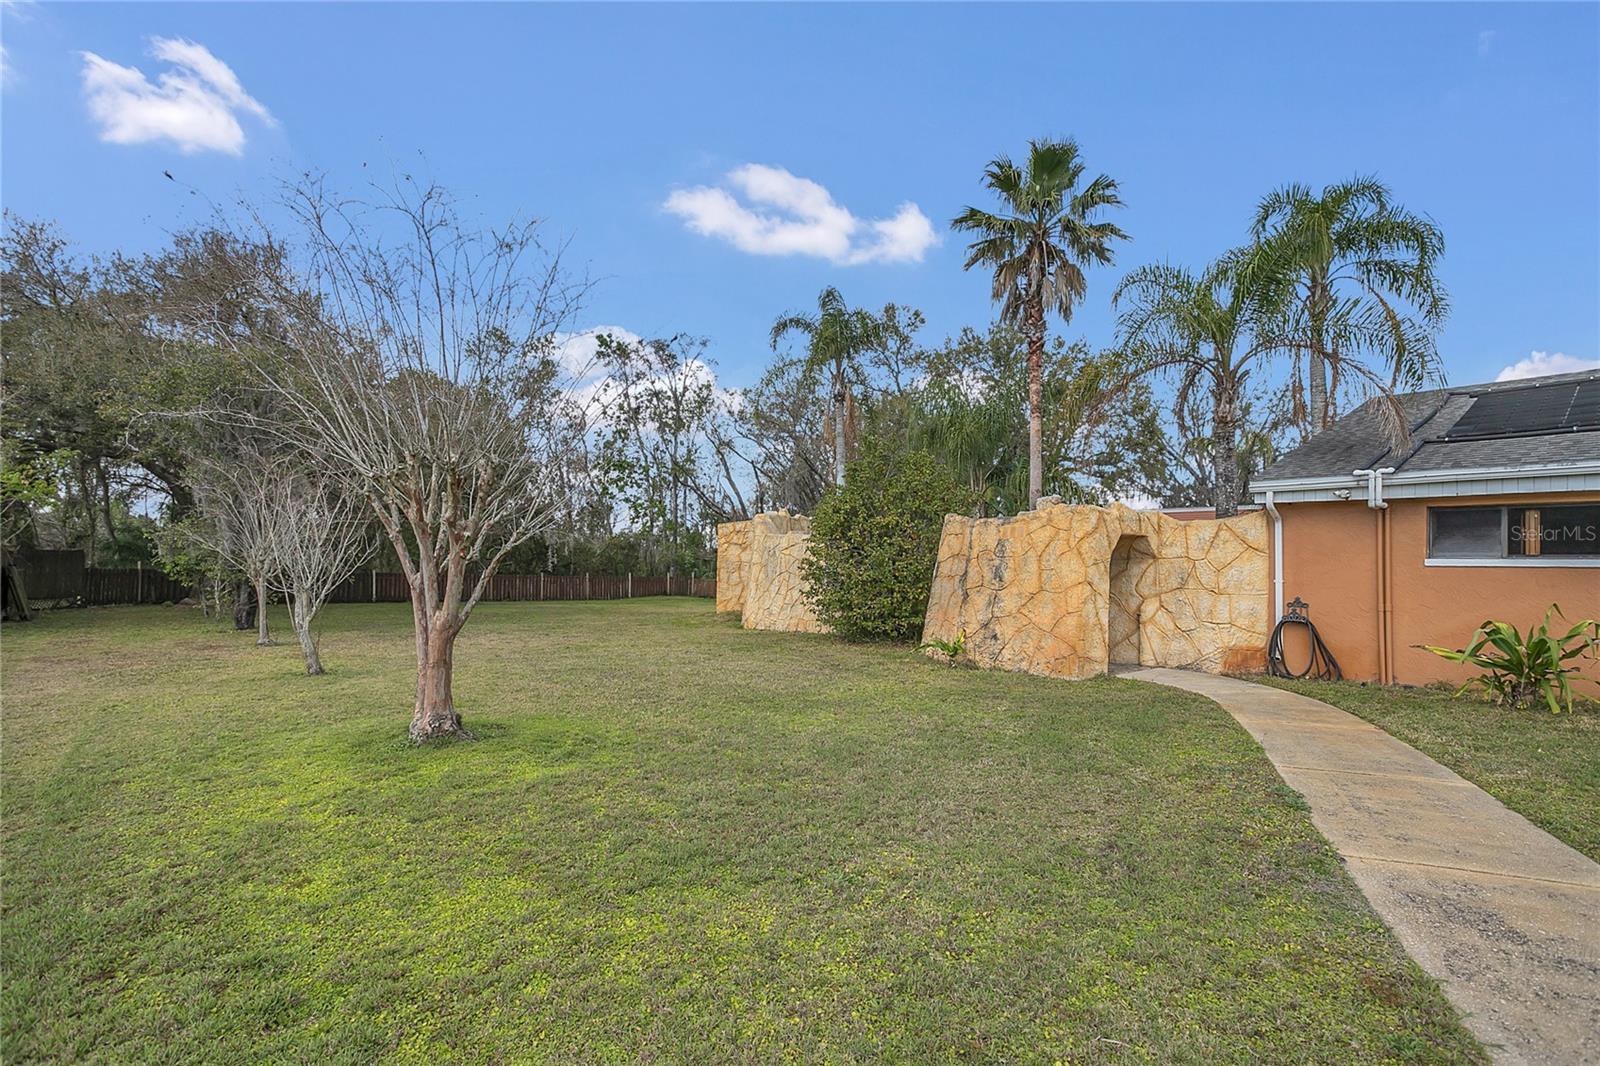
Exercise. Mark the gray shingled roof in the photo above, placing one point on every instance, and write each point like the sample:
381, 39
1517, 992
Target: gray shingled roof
1358, 442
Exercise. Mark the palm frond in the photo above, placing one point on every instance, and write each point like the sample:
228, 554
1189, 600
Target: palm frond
791, 324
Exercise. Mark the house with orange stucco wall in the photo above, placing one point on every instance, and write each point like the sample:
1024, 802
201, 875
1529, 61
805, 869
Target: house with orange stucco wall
1491, 509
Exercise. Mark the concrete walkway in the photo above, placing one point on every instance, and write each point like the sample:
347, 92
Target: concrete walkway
1503, 914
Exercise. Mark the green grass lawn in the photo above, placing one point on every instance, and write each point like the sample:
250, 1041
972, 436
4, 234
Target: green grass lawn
674, 841
1544, 766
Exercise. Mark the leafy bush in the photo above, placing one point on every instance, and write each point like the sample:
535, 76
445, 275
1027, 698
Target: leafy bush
182, 554
874, 541
1522, 671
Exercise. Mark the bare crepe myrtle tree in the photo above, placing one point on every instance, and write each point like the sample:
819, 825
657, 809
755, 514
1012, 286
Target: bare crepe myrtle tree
320, 536
236, 501
421, 370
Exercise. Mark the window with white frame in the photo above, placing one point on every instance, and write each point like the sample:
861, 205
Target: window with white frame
1518, 532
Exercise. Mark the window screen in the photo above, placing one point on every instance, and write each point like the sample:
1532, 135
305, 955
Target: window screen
1466, 533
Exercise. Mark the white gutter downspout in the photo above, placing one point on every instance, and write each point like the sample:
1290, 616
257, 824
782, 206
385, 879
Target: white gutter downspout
1374, 478
1375, 501
1377, 485
1277, 559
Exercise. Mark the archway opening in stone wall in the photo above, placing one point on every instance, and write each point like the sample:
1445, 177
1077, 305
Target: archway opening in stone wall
1130, 559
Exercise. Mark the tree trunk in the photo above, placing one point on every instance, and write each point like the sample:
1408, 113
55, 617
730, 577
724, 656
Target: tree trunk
1225, 454
1035, 401
839, 415
1319, 389
91, 521
434, 717
1317, 394
105, 504
301, 619
244, 607
263, 638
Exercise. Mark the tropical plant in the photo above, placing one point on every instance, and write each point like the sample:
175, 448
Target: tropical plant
1521, 670
1366, 288
951, 650
1209, 330
837, 336
1038, 248
874, 541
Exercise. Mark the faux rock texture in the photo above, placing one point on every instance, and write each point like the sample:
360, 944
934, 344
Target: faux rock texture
762, 559
733, 564
1067, 591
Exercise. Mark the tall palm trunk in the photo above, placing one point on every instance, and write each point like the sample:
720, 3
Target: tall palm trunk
1318, 362
840, 403
1035, 332
1225, 452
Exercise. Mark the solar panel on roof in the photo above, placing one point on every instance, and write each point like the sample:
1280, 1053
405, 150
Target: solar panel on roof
1570, 407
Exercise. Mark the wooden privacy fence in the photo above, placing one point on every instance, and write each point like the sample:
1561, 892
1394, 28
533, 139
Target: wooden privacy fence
372, 586
102, 586
51, 575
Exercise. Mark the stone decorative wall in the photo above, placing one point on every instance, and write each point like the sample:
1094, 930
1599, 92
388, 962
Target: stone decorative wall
733, 565
1067, 591
759, 559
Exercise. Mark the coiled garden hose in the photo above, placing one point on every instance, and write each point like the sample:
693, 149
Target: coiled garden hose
1322, 666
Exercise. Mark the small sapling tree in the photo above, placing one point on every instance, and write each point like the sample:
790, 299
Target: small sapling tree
235, 498
320, 536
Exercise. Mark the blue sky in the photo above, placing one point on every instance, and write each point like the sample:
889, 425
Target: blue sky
1485, 117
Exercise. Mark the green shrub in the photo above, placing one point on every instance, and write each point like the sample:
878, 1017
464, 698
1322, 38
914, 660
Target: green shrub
1522, 671
874, 541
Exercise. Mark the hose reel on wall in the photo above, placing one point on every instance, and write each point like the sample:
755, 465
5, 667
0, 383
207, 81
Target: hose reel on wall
1321, 666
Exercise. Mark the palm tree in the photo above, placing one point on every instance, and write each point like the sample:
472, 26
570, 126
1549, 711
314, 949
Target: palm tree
1360, 262
1038, 248
1210, 330
837, 336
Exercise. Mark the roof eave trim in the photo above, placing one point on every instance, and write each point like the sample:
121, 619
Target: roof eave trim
1423, 477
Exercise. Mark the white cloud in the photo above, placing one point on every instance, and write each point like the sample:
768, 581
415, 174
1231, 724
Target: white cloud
577, 352
589, 386
1485, 41
195, 105
1538, 364
16, 9
789, 215
587, 383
